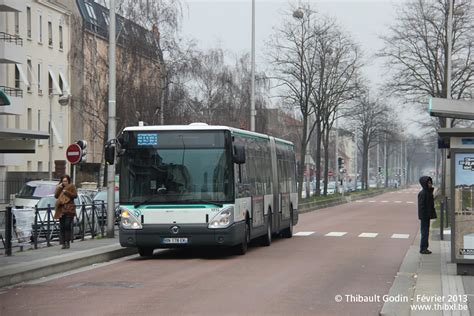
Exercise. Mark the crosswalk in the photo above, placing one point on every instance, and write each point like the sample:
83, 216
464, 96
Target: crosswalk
347, 234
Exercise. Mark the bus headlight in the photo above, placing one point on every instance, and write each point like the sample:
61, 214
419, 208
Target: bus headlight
223, 219
129, 220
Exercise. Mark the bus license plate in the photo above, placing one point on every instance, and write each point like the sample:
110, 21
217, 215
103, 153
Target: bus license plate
175, 240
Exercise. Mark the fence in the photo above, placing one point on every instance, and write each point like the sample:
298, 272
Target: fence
35, 226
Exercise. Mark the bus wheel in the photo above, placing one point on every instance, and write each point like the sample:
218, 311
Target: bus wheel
267, 238
241, 249
145, 252
288, 232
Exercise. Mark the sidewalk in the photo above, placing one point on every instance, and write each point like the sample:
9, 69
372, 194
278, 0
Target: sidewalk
33, 264
430, 283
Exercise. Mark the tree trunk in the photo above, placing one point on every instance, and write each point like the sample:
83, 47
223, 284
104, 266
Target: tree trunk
326, 162
318, 159
302, 158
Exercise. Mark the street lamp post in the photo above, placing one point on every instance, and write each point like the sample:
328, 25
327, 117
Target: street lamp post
252, 93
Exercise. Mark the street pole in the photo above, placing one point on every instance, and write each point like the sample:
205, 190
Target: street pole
50, 142
378, 160
252, 79
111, 124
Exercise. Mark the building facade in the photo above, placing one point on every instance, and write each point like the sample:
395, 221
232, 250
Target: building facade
34, 72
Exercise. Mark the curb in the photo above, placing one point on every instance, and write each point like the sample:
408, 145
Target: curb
62, 263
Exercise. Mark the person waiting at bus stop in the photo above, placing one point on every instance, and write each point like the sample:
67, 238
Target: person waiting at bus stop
426, 211
65, 209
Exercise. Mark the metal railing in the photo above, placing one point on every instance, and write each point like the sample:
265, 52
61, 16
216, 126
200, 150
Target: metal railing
14, 92
11, 38
90, 220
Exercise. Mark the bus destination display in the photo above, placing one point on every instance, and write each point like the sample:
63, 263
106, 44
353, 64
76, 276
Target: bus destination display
147, 139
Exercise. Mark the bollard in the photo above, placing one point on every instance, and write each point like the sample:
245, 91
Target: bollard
103, 220
35, 230
48, 227
8, 231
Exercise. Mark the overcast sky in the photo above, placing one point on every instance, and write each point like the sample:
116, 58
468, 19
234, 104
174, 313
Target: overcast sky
227, 24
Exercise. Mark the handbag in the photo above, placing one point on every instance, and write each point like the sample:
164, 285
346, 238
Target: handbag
63, 199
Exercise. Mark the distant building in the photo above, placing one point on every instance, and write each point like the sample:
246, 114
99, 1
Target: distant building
34, 48
138, 78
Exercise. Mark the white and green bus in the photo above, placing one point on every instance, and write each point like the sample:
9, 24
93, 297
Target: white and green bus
200, 185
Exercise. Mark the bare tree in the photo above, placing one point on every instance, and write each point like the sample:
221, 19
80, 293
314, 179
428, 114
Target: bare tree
296, 67
370, 119
337, 84
416, 50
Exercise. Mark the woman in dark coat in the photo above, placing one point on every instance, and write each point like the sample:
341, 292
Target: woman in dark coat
426, 211
65, 209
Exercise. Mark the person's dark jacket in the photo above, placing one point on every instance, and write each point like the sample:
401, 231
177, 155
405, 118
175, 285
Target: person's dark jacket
426, 209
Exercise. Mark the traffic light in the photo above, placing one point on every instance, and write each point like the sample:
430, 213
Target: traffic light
340, 164
83, 144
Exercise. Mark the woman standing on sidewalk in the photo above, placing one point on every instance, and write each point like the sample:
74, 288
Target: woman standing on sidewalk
65, 209
426, 212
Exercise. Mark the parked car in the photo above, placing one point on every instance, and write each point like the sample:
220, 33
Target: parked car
32, 192
100, 197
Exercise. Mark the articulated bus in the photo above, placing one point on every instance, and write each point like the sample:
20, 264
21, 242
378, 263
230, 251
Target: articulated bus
201, 185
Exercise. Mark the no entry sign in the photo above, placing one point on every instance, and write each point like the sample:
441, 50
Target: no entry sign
74, 153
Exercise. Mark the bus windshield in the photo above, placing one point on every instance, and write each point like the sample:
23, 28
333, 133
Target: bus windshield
175, 167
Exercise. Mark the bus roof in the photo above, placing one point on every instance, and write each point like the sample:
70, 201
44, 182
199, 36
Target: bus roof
201, 127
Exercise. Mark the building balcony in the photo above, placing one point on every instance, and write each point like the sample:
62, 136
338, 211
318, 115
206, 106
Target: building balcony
16, 99
12, 5
11, 49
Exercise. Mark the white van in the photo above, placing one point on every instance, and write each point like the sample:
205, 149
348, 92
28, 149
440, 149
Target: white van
32, 192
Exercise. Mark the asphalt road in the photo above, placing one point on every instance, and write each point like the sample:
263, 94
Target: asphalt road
297, 276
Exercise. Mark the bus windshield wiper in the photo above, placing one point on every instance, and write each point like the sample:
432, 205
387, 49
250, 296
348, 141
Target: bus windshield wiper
200, 201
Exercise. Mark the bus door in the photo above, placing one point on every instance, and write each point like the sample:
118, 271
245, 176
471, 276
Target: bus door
276, 218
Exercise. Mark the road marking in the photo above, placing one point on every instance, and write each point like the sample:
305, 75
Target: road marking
398, 201
335, 234
372, 201
359, 201
368, 235
409, 202
303, 234
400, 236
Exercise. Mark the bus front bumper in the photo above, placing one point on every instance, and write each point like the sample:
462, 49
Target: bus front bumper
188, 235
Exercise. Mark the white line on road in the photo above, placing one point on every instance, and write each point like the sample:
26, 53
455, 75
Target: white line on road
303, 234
398, 201
372, 201
359, 201
409, 202
335, 234
368, 235
400, 236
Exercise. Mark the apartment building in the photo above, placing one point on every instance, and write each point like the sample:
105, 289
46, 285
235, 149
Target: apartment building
34, 73
138, 78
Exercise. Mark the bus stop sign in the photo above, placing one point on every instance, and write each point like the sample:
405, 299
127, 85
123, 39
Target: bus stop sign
74, 153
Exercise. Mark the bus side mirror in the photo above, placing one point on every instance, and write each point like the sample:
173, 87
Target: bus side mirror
239, 154
109, 154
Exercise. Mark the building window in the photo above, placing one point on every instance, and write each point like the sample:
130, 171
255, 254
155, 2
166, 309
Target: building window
28, 22
17, 23
28, 165
17, 78
60, 37
39, 80
50, 33
91, 12
106, 18
40, 166
61, 84
29, 74
40, 27
50, 84
30, 119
